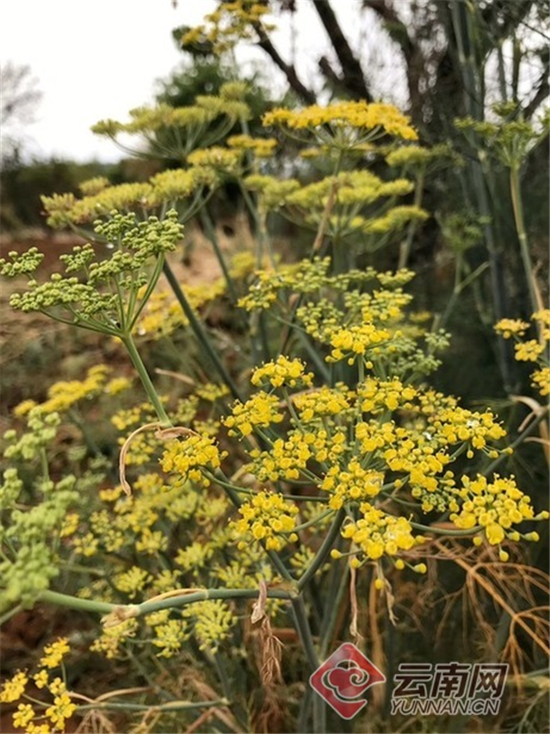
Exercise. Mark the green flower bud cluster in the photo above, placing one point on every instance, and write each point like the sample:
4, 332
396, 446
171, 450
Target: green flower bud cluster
66, 294
351, 196
29, 559
21, 263
509, 140
41, 432
110, 300
310, 276
10, 488
418, 157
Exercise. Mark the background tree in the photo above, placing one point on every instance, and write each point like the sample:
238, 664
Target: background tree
18, 104
458, 58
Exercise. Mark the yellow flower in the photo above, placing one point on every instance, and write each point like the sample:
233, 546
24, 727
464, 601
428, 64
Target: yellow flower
41, 679
23, 408
213, 622
282, 371
260, 411
43, 728
54, 653
23, 715
63, 708
62, 395
511, 327
264, 518
191, 456
366, 119
377, 533
495, 506
13, 689
169, 637
70, 525
112, 638
133, 581
351, 483
541, 380
529, 351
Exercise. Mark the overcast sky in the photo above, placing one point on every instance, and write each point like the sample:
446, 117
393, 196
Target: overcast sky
97, 59
92, 59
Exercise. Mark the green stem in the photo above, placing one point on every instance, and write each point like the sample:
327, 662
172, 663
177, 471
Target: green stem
174, 706
145, 379
405, 249
213, 237
327, 628
10, 613
304, 631
444, 531
519, 440
73, 602
522, 236
172, 602
199, 331
133, 313
324, 550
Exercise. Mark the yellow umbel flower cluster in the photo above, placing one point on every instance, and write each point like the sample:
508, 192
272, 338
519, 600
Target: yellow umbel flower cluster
213, 621
354, 341
192, 455
369, 120
282, 371
377, 533
495, 506
264, 518
64, 394
351, 484
41, 717
260, 411
231, 23
322, 401
531, 350
260, 147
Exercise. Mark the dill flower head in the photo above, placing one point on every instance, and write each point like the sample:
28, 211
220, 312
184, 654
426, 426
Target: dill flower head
192, 456
282, 371
54, 653
495, 506
351, 483
231, 23
511, 327
267, 517
260, 411
260, 147
377, 533
14, 688
213, 621
344, 125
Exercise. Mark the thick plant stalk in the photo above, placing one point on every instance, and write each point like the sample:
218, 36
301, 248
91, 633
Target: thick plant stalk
145, 379
199, 331
522, 235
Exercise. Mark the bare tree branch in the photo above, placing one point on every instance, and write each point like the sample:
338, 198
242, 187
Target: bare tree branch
288, 70
353, 78
543, 91
328, 72
414, 59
